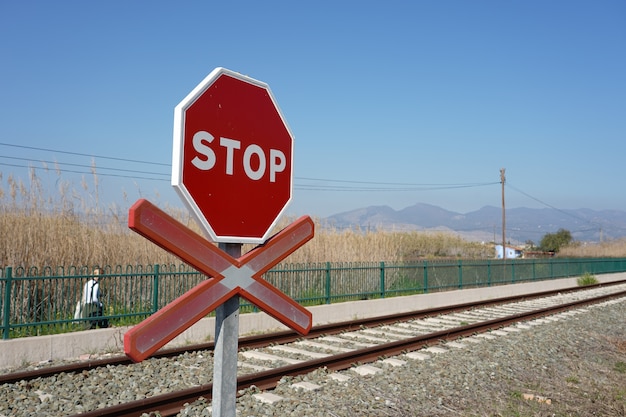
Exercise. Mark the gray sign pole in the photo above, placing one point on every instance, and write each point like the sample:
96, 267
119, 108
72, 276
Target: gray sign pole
226, 348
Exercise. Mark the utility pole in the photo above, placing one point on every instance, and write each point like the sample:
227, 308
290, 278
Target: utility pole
502, 180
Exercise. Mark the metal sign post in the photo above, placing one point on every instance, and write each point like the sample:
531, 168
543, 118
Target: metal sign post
226, 348
225, 358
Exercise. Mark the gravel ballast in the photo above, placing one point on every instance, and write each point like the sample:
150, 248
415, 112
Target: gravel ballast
571, 365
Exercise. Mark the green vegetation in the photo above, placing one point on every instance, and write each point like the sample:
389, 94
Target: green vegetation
553, 242
572, 380
586, 279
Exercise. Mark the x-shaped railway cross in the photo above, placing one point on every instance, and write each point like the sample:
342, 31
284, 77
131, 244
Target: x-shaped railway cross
229, 277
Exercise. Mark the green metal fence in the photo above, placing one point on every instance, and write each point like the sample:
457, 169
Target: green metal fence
42, 301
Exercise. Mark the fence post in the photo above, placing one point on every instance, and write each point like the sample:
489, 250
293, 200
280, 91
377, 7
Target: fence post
327, 282
382, 279
7, 303
551, 261
513, 271
489, 272
155, 289
425, 277
460, 266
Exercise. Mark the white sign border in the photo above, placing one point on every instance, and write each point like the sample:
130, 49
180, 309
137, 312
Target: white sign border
178, 156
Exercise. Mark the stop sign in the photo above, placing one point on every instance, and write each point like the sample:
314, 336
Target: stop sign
232, 157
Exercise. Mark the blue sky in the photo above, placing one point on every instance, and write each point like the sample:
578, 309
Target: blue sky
391, 103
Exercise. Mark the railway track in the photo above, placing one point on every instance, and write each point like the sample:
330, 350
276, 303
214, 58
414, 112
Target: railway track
265, 359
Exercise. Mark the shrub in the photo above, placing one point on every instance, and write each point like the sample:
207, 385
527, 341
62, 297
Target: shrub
586, 279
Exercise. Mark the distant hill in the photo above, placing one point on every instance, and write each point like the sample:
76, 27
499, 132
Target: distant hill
485, 224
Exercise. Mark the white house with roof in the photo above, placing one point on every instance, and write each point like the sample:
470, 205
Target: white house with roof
511, 252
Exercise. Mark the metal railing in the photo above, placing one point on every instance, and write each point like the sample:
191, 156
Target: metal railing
43, 301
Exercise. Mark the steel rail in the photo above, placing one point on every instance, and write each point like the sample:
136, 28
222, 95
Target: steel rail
170, 404
283, 337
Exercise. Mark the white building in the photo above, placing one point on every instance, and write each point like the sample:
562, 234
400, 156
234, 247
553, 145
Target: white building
511, 252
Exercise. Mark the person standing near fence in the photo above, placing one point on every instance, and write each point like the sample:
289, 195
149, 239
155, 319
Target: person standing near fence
92, 306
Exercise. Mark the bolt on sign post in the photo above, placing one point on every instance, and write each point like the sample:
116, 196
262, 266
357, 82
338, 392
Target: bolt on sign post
232, 166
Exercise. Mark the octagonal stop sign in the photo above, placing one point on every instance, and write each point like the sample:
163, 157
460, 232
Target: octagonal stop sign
232, 157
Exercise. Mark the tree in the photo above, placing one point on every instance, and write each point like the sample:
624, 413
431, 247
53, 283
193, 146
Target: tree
553, 242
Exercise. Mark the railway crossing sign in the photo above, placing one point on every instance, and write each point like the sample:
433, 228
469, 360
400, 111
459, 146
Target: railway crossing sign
229, 276
232, 166
232, 159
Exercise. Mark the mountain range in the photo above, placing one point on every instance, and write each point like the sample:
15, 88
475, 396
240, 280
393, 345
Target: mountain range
522, 224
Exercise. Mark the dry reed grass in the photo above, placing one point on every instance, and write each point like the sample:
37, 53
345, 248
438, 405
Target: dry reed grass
68, 226
608, 249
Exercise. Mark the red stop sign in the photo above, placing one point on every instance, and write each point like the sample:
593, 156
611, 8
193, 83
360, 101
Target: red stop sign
232, 159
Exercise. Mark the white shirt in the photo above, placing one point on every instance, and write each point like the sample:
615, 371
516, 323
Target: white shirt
91, 292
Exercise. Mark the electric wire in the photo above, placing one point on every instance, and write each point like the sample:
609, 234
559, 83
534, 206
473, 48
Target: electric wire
551, 206
594, 224
365, 186
303, 184
84, 154
57, 165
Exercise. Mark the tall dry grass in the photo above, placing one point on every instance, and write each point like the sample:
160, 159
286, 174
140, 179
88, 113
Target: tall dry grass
70, 225
607, 249
355, 245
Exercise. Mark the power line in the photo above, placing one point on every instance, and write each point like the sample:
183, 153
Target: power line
379, 186
304, 184
394, 183
86, 172
594, 225
324, 184
84, 154
57, 163
368, 186
406, 188
551, 206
